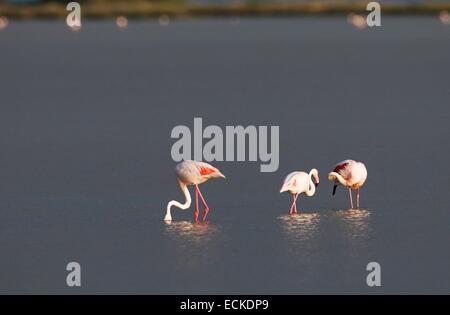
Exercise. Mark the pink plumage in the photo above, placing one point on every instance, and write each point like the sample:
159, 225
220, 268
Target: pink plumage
350, 174
192, 173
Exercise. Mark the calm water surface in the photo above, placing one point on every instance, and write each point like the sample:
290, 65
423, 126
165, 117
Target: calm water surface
86, 170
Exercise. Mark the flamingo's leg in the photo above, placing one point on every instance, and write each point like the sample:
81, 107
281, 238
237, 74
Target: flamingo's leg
351, 199
196, 204
204, 203
295, 203
357, 198
291, 210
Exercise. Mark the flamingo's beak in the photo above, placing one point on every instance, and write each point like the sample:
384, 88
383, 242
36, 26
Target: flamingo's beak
221, 175
334, 189
316, 180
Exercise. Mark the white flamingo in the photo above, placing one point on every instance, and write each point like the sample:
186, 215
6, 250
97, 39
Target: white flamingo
350, 174
192, 173
300, 182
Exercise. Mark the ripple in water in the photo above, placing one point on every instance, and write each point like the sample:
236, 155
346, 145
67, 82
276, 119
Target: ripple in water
196, 248
300, 227
191, 232
356, 222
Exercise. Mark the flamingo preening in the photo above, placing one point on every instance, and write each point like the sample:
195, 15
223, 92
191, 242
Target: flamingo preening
192, 173
350, 174
300, 182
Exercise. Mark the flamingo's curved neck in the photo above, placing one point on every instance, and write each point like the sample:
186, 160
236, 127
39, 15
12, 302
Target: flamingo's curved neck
177, 204
338, 176
312, 187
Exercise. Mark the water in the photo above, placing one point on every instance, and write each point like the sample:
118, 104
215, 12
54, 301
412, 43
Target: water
86, 170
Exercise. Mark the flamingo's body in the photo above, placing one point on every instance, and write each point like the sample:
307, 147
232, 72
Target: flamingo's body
300, 182
192, 173
350, 174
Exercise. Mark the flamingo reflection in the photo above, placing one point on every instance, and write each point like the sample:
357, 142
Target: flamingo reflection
300, 227
356, 222
191, 231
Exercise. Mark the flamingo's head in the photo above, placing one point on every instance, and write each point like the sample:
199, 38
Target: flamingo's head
168, 218
333, 178
314, 173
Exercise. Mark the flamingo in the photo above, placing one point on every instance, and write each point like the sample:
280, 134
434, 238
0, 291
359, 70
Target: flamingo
300, 182
192, 173
350, 174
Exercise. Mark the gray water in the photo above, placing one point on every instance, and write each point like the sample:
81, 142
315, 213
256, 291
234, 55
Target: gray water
86, 170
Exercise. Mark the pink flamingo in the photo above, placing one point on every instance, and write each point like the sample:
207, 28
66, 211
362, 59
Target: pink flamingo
300, 182
192, 173
350, 174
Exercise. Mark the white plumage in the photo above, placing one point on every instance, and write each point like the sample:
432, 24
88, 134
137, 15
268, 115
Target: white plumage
192, 173
297, 183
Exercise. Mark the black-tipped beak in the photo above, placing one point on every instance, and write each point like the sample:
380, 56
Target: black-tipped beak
316, 184
334, 189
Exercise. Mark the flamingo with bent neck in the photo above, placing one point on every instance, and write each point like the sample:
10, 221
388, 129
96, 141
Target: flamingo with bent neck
350, 174
300, 182
192, 173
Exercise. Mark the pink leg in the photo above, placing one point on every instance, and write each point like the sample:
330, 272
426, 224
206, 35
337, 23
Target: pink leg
291, 210
357, 198
204, 203
196, 205
351, 199
295, 203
